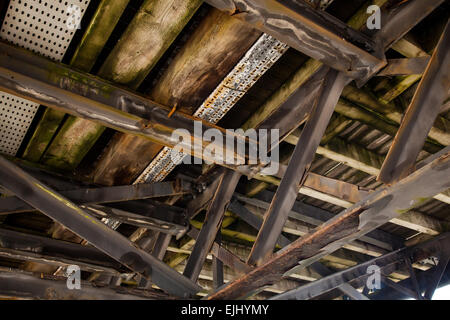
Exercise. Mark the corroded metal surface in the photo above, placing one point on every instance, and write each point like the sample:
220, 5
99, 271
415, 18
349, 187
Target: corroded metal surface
351, 224
92, 230
317, 35
42, 29
85, 96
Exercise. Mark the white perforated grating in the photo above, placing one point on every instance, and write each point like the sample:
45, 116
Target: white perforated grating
46, 28
16, 115
258, 59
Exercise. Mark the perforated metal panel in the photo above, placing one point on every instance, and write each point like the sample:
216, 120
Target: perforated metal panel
258, 59
16, 115
46, 28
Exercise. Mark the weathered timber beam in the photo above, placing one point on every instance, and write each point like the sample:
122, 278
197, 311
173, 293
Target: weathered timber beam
97, 33
349, 225
38, 79
344, 194
316, 216
197, 81
405, 67
26, 286
328, 283
298, 166
316, 34
212, 224
421, 114
92, 230
98, 195
152, 30
376, 121
359, 158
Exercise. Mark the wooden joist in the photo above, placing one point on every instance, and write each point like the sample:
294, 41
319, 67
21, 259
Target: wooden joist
213, 49
153, 29
84, 58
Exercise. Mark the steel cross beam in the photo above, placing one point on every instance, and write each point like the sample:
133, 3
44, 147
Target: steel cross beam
439, 271
24, 285
333, 281
316, 34
144, 214
315, 217
14, 240
421, 114
91, 195
354, 222
295, 175
404, 288
92, 230
212, 224
38, 79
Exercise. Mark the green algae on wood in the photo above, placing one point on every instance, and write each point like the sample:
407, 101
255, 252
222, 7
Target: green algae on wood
99, 30
95, 37
212, 50
151, 32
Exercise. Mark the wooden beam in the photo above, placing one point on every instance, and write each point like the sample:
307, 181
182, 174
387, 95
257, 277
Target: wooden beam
333, 281
352, 223
38, 79
405, 67
100, 28
298, 167
215, 46
152, 30
361, 159
420, 115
